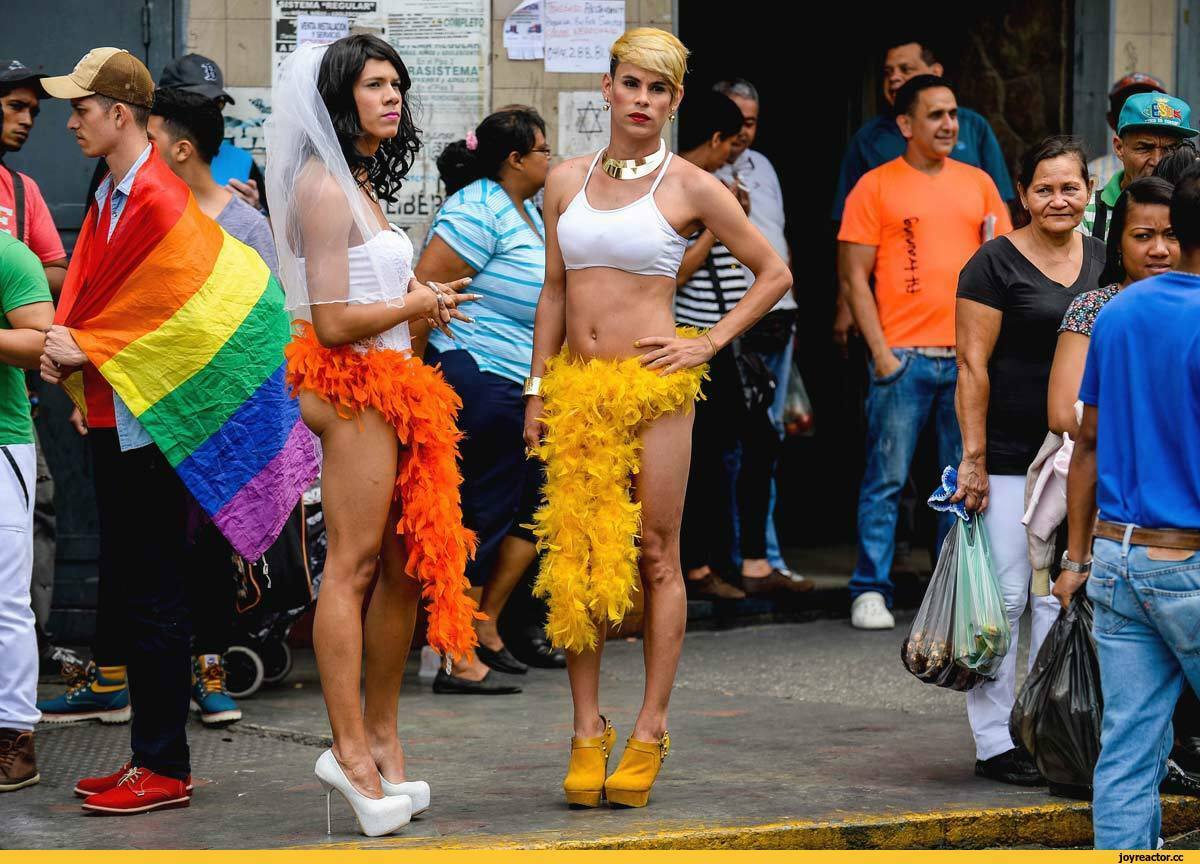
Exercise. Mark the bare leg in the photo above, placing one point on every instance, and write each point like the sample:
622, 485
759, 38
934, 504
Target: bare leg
358, 475
583, 670
514, 557
661, 485
387, 637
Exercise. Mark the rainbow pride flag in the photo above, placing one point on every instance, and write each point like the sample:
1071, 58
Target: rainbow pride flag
188, 327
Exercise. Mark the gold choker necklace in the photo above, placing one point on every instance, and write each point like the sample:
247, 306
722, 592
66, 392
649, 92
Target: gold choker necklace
632, 169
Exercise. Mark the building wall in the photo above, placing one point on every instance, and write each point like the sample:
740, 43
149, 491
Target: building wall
1144, 38
527, 83
236, 33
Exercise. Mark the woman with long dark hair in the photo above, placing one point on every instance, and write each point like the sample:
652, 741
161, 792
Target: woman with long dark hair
490, 230
340, 141
1140, 244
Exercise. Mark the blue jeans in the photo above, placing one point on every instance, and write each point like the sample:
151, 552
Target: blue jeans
1147, 630
781, 367
898, 407
780, 364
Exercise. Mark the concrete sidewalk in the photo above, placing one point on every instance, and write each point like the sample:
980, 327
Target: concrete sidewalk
784, 736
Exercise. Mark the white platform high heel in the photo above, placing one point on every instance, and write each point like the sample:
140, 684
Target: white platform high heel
417, 790
376, 816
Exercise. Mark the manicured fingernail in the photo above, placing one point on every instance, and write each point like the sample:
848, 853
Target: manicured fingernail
637, 344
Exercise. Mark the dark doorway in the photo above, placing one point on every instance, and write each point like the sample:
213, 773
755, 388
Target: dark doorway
817, 72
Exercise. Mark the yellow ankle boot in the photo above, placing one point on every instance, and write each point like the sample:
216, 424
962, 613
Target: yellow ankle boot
584, 783
629, 785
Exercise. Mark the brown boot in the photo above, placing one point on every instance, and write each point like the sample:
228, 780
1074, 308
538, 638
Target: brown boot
18, 767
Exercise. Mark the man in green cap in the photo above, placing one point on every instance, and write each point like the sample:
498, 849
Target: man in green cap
1150, 126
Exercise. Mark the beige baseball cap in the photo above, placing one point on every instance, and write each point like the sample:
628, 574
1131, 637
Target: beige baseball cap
111, 72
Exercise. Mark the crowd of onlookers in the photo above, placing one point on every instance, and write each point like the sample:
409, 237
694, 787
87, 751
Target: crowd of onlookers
1064, 398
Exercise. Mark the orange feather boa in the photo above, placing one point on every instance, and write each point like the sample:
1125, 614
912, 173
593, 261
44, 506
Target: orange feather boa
423, 408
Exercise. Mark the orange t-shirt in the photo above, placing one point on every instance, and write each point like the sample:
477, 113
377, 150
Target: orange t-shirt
924, 228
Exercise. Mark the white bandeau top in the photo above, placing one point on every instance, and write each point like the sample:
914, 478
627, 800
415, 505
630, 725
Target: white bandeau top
387, 256
635, 238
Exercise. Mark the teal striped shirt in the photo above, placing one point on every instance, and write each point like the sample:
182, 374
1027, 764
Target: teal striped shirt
484, 228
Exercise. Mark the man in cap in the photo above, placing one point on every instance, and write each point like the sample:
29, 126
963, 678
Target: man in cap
232, 166
1149, 126
23, 210
142, 616
1102, 168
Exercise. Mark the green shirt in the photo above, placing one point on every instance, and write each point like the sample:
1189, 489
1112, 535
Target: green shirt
22, 281
1109, 195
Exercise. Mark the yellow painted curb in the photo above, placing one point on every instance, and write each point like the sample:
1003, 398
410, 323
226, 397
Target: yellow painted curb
1057, 825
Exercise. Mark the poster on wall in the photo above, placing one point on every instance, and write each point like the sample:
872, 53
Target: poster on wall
523, 31
582, 123
321, 29
244, 120
580, 33
446, 46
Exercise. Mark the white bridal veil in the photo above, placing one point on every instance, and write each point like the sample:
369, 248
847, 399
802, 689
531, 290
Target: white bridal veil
318, 212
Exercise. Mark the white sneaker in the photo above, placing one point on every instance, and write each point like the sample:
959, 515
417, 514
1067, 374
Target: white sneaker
431, 662
869, 612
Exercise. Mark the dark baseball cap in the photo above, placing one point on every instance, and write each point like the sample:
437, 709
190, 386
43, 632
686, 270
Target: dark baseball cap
16, 72
195, 73
1130, 85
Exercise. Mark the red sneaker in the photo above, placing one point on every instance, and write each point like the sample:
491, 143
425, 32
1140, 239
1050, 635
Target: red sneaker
90, 786
139, 790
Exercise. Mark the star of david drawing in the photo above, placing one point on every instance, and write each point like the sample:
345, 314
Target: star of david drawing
587, 120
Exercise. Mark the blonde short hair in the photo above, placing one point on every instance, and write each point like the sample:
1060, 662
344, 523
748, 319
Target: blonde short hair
654, 50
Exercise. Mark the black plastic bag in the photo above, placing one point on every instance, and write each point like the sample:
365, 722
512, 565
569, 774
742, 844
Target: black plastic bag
928, 652
1057, 714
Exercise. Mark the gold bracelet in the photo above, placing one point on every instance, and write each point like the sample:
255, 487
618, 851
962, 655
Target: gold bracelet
711, 344
533, 387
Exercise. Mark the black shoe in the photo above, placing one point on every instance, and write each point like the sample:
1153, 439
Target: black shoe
61, 662
489, 685
501, 660
1186, 754
1067, 790
1012, 767
1179, 782
539, 653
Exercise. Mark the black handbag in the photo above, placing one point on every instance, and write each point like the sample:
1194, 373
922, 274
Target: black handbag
758, 384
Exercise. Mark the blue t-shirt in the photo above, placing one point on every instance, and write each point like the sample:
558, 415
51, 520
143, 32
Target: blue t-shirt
483, 226
231, 163
880, 141
1143, 377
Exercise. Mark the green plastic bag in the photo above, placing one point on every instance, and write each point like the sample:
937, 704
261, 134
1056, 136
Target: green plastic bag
981, 632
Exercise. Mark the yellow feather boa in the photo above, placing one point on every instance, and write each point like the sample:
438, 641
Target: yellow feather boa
588, 525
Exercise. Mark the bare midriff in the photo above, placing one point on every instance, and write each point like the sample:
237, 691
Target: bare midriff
607, 310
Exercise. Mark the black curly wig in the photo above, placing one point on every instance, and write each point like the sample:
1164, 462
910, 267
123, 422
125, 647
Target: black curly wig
340, 67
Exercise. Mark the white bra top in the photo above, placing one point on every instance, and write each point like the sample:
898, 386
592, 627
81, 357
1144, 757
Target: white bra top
387, 256
635, 238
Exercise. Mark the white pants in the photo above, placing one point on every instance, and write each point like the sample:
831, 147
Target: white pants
990, 704
18, 641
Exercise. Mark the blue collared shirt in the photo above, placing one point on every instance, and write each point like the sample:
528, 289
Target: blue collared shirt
130, 432
880, 141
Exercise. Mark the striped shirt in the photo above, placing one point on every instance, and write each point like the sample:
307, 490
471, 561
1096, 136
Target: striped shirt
484, 228
1108, 193
697, 302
